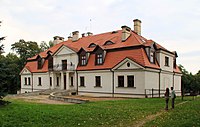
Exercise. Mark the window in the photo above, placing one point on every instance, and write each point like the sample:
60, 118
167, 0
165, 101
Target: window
50, 81
40, 63
39, 81
64, 64
83, 60
99, 59
57, 81
91, 45
174, 62
29, 81
152, 57
72, 81
82, 81
98, 81
130, 81
120, 81
25, 81
166, 61
108, 43
50, 62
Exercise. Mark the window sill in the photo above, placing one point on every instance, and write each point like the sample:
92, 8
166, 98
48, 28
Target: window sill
81, 86
97, 86
126, 87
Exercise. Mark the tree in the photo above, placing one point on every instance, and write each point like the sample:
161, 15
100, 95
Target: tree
44, 46
25, 49
1, 46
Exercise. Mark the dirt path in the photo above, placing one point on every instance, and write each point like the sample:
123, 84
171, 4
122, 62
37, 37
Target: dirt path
142, 122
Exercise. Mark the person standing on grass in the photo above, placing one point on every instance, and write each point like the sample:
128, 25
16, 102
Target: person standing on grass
166, 98
173, 96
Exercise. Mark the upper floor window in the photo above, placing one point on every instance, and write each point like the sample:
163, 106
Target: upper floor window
108, 43
40, 63
50, 62
83, 60
152, 57
166, 61
174, 62
64, 64
99, 59
92, 45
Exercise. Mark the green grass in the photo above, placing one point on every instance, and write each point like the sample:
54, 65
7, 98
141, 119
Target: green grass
185, 115
104, 114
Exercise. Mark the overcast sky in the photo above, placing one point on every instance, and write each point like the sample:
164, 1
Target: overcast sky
175, 24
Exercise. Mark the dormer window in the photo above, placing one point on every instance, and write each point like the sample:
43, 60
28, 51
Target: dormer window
152, 57
108, 43
166, 61
99, 59
39, 63
92, 45
83, 60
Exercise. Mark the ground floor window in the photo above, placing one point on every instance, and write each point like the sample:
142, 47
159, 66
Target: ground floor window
130, 81
57, 81
82, 81
72, 81
25, 81
50, 81
39, 81
98, 81
120, 81
29, 81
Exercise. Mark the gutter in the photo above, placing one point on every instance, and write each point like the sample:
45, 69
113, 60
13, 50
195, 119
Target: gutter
32, 81
159, 82
113, 84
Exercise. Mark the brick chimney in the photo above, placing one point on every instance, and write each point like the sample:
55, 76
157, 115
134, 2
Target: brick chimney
75, 35
57, 39
137, 26
126, 32
69, 37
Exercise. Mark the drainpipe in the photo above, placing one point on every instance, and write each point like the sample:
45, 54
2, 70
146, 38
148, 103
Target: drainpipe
76, 82
159, 82
32, 81
173, 79
113, 84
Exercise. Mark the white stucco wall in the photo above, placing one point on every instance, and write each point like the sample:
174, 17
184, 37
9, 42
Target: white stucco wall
139, 81
151, 79
89, 77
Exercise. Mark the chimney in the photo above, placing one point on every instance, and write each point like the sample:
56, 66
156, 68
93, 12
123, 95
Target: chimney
137, 26
83, 34
57, 39
126, 32
75, 35
70, 38
89, 33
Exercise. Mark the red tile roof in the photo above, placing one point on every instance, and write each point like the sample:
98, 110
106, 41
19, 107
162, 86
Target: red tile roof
112, 58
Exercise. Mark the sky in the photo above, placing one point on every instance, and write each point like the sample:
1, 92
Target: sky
174, 24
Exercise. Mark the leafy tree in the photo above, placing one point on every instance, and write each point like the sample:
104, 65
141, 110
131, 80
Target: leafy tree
25, 49
1, 46
44, 46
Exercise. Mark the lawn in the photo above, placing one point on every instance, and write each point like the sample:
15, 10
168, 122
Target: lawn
104, 113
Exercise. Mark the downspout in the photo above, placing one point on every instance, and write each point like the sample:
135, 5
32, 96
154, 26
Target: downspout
113, 84
76, 82
159, 82
173, 79
32, 80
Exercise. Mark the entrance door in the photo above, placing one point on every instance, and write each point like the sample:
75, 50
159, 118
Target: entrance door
65, 82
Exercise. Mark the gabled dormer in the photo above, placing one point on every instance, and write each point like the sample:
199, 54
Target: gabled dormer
50, 60
92, 45
151, 53
108, 43
40, 62
99, 55
83, 57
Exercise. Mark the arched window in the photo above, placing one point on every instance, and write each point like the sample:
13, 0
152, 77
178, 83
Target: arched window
108, 43
91, 45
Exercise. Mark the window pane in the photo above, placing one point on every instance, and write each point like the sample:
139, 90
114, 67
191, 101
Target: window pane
98, 81
120, 81
82, 82
130, 81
